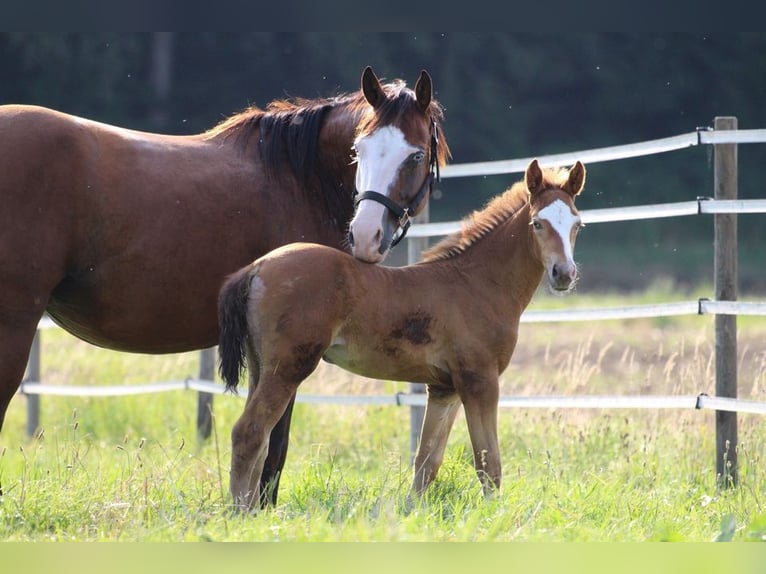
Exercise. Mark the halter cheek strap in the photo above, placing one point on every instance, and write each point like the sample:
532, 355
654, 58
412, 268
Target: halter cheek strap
403, 214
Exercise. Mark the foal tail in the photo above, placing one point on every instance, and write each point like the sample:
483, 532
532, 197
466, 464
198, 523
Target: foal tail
232, 320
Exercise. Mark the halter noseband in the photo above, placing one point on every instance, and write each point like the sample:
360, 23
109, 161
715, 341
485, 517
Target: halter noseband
403, 214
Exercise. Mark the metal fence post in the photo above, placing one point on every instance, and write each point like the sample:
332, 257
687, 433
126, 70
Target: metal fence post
725, 183
33, 376
415, 246
205, 400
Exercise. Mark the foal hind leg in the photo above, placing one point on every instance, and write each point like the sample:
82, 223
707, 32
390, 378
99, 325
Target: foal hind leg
250, 438
275, 459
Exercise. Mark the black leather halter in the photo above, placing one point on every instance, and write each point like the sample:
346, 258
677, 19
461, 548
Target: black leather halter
404, 214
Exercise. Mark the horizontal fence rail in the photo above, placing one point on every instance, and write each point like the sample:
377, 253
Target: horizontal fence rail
402, 399
703, 205
703, 136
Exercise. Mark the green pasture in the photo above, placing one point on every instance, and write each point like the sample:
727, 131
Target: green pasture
132, 469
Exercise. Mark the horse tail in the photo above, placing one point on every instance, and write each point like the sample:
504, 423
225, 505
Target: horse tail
232, 320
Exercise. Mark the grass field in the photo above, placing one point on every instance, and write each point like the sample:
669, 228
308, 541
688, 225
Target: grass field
131, 469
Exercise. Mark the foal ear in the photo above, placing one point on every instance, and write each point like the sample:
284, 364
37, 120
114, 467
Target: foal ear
373, 91
576, 181
533, 178
424, 90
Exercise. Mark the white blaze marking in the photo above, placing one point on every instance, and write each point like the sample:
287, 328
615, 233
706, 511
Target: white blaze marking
379, 156
561, 219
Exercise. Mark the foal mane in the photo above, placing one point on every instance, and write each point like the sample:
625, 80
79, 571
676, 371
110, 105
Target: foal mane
498, 210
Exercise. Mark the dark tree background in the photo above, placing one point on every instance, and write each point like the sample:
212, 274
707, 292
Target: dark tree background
506, 95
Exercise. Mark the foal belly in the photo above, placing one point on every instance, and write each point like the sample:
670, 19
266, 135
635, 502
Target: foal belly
379, 363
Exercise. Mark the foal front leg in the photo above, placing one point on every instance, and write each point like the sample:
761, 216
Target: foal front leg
441, 408
480, 396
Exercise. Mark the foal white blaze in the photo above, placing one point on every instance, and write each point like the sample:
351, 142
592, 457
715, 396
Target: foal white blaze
563, 222
379, 157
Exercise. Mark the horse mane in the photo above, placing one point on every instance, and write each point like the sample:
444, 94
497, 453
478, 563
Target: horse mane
482, 222
288, 129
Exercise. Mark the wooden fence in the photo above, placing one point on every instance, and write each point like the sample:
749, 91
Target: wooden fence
724, 206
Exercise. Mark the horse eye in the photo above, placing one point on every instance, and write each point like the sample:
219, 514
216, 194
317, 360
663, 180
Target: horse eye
536, 224
418, 156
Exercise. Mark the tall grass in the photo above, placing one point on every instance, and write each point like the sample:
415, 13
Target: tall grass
131, 469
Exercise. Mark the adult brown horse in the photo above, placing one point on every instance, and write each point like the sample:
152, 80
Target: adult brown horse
125, 237
450, 321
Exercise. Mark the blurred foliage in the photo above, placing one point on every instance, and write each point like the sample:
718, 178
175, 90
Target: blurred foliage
506, 95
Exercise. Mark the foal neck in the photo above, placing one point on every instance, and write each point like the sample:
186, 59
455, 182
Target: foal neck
495, 251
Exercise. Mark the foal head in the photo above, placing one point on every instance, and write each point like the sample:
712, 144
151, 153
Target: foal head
399, 146
555, 221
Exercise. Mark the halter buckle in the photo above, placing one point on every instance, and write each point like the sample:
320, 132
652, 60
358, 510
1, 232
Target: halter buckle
404, 219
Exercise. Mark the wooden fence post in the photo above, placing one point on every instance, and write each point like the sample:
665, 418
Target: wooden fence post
205, 400
33, 376
725, 183
415, 246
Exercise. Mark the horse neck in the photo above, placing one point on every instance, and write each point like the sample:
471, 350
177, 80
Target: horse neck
338, 172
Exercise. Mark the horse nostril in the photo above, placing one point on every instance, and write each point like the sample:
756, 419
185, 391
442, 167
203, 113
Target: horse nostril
350, 238
555, 271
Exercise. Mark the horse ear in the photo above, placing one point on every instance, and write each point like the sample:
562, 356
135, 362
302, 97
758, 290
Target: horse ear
373, 91
424, 90
533, 178
576, 180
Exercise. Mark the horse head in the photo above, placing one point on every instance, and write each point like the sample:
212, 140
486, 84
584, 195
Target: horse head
399, 147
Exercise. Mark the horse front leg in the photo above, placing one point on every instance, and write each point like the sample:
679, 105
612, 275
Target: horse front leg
16, 336
480, 396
